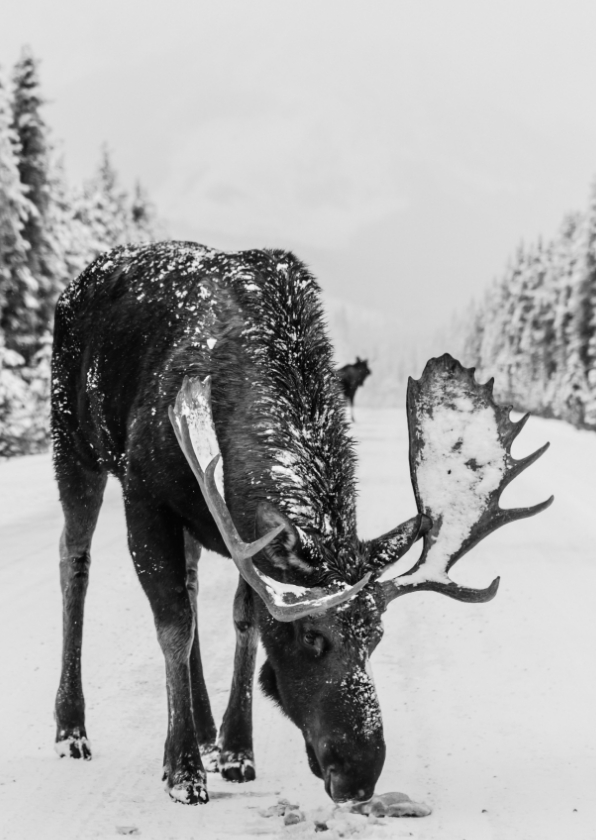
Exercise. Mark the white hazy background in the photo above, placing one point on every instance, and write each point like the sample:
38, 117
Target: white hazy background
402, 148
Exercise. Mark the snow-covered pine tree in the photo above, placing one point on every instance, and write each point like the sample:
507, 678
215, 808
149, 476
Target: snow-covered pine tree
468, 334
575, 383
536, 332
506, 317
18, 288
24, 401
512, 330
71, 238
103, 208
520, 314
563, 257
491, 361
48, 234
590, 316
144, 224
33, 153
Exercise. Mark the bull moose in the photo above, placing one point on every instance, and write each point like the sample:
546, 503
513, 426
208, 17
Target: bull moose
204, 381
351, 377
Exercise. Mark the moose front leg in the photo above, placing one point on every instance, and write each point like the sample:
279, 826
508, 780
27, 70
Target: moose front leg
236, 759
81, 494
157, 546
204, 723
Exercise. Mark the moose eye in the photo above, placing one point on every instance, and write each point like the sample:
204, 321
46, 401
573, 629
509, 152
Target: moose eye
313, 641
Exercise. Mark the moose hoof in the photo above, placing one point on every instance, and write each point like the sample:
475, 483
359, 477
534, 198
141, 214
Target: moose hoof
73, 744
237, 766
210, 756
189, 791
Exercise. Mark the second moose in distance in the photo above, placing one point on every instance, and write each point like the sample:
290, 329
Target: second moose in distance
351, 377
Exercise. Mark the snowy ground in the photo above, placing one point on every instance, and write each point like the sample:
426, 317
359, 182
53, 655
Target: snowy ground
489, 709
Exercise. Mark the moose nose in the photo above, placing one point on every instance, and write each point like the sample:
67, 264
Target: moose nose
351, 770
342, 789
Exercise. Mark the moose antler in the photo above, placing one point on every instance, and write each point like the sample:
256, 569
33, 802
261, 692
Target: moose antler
193, 425
460, 463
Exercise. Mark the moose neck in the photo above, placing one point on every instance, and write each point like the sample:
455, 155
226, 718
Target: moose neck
288, 435
302, 465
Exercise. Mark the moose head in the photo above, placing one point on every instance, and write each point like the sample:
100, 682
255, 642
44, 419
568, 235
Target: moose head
319, 638
361, 370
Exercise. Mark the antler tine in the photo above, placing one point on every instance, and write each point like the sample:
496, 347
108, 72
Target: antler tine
460, 463
515, 428
498, 517
388, 548
225, 523
394, 588
285, 602
519, 465
507, 515
306, 603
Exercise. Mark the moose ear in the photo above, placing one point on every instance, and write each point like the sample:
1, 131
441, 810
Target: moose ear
283, 553
357, 360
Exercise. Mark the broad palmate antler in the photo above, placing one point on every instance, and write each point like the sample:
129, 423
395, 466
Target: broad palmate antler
193, 425
460, 463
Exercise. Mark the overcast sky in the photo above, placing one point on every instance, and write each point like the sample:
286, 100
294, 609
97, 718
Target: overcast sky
402, 148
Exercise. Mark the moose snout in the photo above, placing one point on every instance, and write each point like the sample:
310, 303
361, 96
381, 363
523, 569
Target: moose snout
341, 789
351, 770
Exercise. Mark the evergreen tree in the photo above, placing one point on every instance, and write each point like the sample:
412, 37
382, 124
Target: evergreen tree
18, 287
468, 335
70, 237
564, 256
144, 226
538, 326
103, 208
108, 216
24, 401
499, 352
589, 315
536, 345
575, 381
48, 234
33, 152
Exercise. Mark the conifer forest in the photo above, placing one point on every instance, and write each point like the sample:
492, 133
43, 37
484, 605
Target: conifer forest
49, 231
535, 328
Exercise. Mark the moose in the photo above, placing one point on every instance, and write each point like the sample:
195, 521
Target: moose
204, 381
351, 377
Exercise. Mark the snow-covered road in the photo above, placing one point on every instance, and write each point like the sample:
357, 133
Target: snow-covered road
489, 710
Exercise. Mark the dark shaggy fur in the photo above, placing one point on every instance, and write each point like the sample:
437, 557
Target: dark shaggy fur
139, 319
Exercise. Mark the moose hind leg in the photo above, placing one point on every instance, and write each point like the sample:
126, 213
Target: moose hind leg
157, 546
203, 717
236, 758
81, 495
